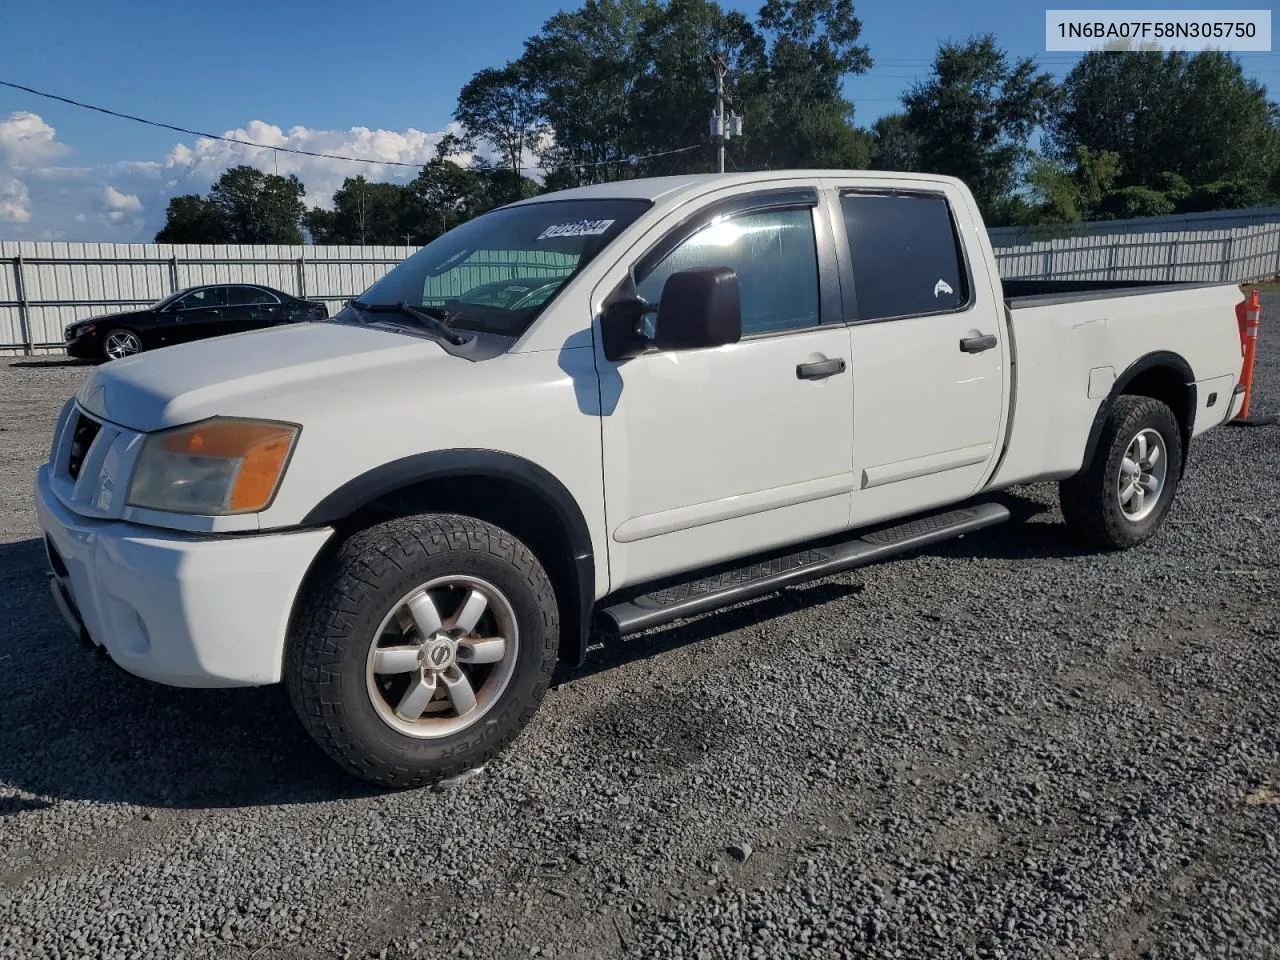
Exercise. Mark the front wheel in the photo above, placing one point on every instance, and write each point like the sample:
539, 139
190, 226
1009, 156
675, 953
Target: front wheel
120, 343
422, 648
1120, 499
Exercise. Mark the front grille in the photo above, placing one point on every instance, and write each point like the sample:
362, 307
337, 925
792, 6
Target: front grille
81, 440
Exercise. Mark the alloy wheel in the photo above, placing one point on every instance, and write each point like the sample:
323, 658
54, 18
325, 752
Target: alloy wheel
442, 657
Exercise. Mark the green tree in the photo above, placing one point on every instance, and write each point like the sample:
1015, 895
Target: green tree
973, 119
812, 47
1130, 202
444, 194
362, 213
1196, 117
259, 207
894, 147
192, 219
499, 106
1062, 193
618, 80
583, 67
674, 92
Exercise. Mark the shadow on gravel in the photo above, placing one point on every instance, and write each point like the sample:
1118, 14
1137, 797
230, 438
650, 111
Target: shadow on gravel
51, 363
78, 728
614, 652
75, 727
1017, 539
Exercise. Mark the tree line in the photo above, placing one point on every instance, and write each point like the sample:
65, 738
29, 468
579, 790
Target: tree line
625, 88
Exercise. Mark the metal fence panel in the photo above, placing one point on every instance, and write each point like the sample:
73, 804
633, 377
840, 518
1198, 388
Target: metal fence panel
1218, 246
45, 285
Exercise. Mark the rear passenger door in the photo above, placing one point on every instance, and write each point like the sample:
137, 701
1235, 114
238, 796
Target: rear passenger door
928, 349
250, 308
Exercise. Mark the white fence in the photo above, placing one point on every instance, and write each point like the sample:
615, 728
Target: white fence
44, 286
1222, 246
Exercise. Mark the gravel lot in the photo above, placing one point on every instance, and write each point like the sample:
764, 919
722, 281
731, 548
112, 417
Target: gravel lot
1005, 747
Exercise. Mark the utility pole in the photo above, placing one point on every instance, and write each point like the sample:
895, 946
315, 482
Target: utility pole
723, 125
719, 121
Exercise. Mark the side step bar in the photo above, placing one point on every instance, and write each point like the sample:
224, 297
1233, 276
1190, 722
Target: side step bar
767, 576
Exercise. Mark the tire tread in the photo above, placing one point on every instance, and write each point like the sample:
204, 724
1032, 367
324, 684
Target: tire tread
333, 602
1088, 504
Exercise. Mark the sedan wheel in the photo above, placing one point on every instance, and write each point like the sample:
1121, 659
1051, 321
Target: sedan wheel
120, 343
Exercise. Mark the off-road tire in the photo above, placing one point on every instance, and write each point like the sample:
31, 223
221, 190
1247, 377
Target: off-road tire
1090, 503
341, 608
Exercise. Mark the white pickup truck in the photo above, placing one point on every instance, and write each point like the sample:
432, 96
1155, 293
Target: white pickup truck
602, 409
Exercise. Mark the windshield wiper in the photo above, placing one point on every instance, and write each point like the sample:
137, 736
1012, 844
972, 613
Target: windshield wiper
437, 325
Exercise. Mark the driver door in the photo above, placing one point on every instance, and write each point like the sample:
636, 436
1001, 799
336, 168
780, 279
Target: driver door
200, 314
713, 453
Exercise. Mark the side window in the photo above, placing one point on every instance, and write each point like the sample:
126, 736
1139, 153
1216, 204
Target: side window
244, 296
906, 256
775, 255
208, 297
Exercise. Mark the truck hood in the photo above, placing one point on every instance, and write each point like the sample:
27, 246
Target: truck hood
225, 375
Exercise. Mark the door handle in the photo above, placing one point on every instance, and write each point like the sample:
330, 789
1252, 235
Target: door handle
821, 369
978, 344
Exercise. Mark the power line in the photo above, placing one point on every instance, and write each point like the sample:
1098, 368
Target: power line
198, 133
304, 153
643, 156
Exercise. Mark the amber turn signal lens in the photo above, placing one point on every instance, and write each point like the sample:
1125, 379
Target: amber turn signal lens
262, 448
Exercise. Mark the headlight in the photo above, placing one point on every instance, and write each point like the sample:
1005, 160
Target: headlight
214, 467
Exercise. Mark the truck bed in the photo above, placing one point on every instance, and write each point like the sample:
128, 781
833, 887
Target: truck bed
1041, 293
1075, 338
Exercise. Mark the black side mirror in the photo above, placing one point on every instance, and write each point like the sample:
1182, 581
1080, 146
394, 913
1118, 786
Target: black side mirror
622, 323
178, 306
699, 308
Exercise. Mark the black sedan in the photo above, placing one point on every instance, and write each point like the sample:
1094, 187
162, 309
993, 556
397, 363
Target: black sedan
195, 313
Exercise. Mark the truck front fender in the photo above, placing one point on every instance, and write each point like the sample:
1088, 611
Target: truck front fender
527, 488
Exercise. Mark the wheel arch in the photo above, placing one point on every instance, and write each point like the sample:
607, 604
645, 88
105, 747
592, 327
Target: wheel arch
501, 488
1161, 375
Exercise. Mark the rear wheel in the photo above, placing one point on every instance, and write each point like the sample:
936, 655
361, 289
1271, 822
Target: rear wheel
425, 645
1120, 499
120, 343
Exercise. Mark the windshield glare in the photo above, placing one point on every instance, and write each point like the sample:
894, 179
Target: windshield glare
496, 273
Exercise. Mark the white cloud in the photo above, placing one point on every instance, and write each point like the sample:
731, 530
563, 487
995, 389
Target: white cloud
125, 200
15, 200
26, 139
119, 202
199, 165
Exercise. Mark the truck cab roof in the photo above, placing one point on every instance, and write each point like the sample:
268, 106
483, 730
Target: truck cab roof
666, 189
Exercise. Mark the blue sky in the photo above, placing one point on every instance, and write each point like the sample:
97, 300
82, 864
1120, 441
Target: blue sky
375, 79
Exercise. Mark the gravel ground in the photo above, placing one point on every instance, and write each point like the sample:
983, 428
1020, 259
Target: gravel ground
1005, 747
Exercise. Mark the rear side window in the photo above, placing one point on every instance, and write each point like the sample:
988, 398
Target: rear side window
906, 255
243, 296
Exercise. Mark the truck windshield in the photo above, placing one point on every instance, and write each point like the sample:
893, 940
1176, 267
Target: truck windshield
496, 273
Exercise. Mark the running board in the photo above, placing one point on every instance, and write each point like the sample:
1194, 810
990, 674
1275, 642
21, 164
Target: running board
767, 576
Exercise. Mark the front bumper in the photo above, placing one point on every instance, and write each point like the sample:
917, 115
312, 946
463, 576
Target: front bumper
84, 347
188, 610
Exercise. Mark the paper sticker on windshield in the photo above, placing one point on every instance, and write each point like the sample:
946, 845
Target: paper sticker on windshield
580, 228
